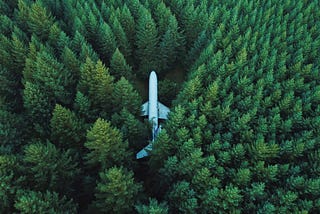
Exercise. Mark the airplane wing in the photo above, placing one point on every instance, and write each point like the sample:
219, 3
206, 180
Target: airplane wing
144, 111
163, 111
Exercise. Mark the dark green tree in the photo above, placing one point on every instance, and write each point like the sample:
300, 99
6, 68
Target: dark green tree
97, 84
121, 38
119, 67
49, 168
67, 130
116, 191
154, 207
39, 21
147, 43
28, 201
125, 96
106, 42
182, 198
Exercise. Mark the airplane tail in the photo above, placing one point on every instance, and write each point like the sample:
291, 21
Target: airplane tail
145, 151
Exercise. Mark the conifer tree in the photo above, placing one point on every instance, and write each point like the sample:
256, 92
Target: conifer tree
96, 83
182, 198
147, 42
170, 43
116, 191
121, 39
67, 130
38, 106
39, 21
119, 67
132, 128
106, 145
125, 96
49, 168
28, 201
153, 207
72, 65
106, 42
13, 127
128, 23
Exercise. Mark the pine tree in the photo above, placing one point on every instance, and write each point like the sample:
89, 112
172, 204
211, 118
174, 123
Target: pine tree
125, 96
39, 21
168, 90
106, 42
106, 146
97, 84
128, 23
39, 107
28, 201
122, 40
12, 130
132, 128
10, 178
182, 198
153, 207
119, 67
67, 130
53, 78
170, 42
147, 42
116, 191
49, 168
72, 65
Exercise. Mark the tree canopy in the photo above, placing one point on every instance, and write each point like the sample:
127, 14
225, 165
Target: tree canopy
241, 79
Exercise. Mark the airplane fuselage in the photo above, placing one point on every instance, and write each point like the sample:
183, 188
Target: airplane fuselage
155, 110
153, 103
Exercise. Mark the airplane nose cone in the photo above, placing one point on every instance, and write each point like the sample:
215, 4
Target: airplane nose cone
153, 74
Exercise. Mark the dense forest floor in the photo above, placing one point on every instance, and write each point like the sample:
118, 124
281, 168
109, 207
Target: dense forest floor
241, 79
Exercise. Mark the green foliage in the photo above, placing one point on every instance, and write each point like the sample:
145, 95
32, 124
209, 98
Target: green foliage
39, 21
152, 208
116, 191
11, 130
132, 128
119, 67
125, 96
49, 168
66, 129
183, 198
97, 84
242, 135
147, 42
38, 106
106, 145
106, 42
47, 202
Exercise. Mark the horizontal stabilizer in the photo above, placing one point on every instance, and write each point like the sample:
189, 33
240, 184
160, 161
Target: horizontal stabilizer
163, 111
144, 152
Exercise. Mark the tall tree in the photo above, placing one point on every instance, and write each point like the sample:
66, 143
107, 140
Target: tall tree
106, 146
119, 67
49, 168
97, 84
125, 96
28, 201
116, 191
67, 130
147, 43
39, 21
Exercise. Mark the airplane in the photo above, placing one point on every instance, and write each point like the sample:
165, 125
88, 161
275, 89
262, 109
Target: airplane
155, 111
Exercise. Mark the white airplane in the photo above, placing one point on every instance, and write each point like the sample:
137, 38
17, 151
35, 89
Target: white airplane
155, 110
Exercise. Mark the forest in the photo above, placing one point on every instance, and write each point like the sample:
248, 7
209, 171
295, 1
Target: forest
241, 78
